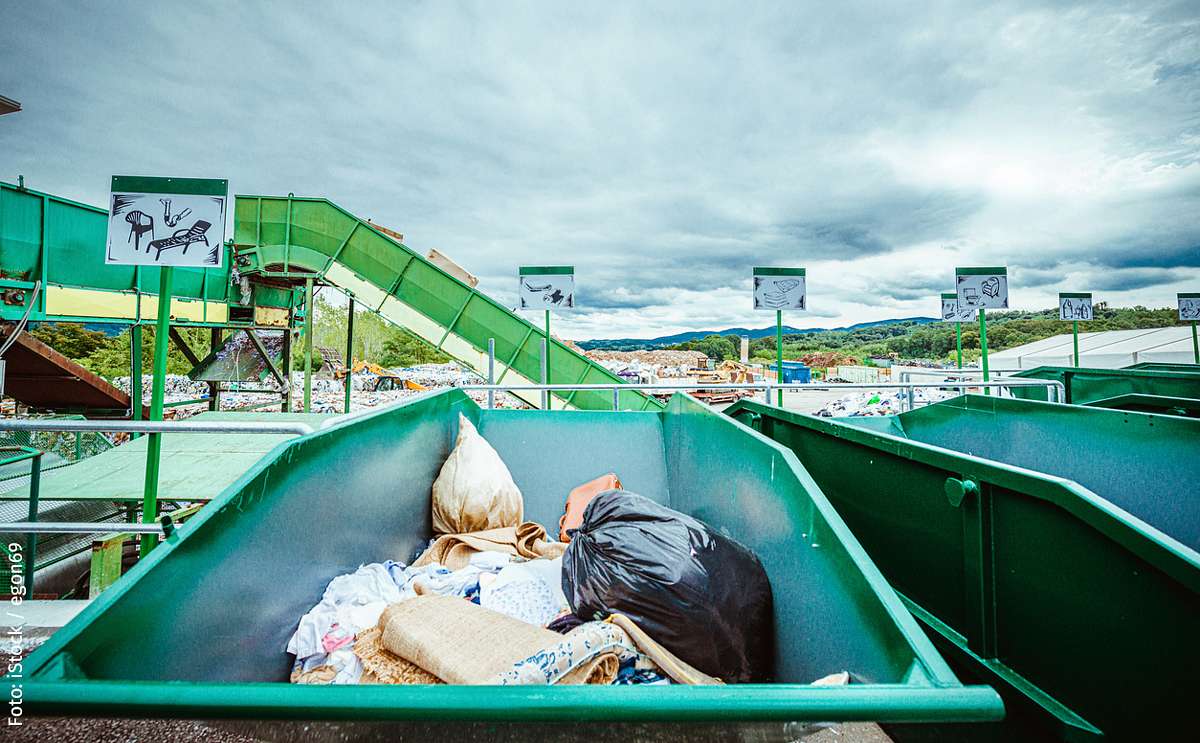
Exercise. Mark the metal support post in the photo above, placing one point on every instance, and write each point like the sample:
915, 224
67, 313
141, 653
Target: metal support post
135, 372
1195, 343
545, 375
349, 353
779, 352
491, 371
31, 540
958, 334
308, 342
546, 362
214, 388
983, 346
616, 399
154, 448
287, 364
1075, 334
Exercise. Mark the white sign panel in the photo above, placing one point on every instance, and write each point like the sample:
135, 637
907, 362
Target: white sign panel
982, 288
1074, 306
160, 227
951, 312
547, 287
779, 289
1189, 306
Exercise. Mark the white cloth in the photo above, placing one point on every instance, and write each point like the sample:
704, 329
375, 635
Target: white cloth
530, 591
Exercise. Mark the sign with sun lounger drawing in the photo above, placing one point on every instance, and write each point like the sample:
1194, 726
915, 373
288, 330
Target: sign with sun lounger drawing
547, 287
982, 288
779, 288
167, 221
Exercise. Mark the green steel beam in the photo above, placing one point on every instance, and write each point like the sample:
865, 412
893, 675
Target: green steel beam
154, 449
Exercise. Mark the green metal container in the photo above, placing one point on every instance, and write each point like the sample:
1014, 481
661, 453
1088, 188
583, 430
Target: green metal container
1185, 406
198, 629
1165, 366
1052, 549
1086, 385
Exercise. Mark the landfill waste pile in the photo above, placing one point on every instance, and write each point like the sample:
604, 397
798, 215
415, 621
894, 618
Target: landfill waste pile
649, 366
176, 387
884, 402
492, 599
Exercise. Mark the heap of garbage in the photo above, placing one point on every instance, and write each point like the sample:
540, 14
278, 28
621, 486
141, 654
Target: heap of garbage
649, 366
883, 402
493, 599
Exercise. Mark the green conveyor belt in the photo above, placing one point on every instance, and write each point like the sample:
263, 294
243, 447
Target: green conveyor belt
195, 466
285, 236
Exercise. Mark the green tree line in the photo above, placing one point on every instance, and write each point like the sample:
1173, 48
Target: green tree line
934, 341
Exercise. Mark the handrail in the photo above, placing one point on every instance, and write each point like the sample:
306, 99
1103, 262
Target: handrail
41, 424
80, 527
767, 387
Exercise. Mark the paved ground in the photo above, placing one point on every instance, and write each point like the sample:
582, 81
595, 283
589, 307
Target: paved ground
78, 730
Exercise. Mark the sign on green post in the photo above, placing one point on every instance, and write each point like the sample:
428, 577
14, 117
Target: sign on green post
952, 313
164, 222
1075, 306
982, 288
546, 288
780, 289
1189, 311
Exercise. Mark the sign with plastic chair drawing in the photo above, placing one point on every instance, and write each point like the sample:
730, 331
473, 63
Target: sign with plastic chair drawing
982, 288
1074, 306
166, 221
546, 287
779, 288
951, 311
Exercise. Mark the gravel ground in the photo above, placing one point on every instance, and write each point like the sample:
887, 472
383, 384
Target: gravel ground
103, 730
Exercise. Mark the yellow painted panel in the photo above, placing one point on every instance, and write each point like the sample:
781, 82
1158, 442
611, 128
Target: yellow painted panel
187, 309
61, 300
273, 316
218, 312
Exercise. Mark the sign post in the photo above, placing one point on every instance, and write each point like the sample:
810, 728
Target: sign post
982, 288
780, 289
1189, 311
156, 222
952, 313
1075, 306
546, 288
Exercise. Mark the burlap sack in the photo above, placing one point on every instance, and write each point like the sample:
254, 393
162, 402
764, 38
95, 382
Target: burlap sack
527, 540
383, 667
462, 643
474, 490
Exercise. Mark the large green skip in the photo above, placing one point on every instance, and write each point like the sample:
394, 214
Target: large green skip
198, 629
1051, 549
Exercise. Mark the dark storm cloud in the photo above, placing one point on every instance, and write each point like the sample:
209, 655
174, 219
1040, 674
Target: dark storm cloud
662, 149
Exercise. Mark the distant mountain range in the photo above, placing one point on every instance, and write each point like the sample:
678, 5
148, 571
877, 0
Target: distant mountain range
633, 344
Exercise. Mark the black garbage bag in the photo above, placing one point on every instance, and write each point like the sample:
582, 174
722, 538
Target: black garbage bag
705, 597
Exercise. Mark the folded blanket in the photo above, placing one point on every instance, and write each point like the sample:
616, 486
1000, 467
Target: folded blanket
527, 540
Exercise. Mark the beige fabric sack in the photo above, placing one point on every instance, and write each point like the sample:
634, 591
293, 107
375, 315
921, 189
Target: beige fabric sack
474, 491
462, 643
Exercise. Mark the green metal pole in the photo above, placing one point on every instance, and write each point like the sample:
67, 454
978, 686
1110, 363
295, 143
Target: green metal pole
983, 347
549, 395
779, 353
308, 321
958, 333
215, 336
135, 373
1195, 343
1075, 334
154, 445
349, 352
31, 539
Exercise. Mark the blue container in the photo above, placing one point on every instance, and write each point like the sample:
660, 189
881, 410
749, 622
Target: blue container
794, 372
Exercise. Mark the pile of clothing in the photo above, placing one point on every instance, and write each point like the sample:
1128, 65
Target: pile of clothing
630, 592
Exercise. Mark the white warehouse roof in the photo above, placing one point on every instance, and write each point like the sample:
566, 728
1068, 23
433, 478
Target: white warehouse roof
1109, 349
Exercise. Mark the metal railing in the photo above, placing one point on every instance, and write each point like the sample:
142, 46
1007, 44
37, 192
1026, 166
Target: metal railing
40, 424
1058, 389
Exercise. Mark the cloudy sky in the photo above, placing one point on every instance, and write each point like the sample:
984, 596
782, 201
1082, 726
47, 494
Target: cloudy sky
662, 149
